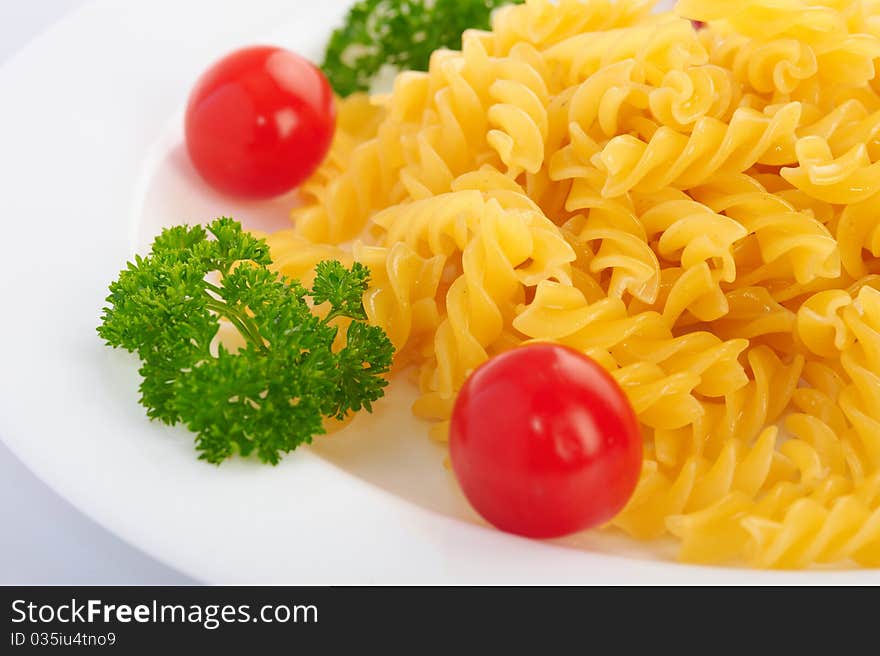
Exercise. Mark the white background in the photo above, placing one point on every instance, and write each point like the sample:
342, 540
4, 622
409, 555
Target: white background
43, 539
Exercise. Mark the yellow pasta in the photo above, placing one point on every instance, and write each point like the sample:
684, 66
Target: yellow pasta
696, 209
713, 148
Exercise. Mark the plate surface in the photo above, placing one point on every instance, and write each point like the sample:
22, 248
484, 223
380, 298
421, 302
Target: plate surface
91, 168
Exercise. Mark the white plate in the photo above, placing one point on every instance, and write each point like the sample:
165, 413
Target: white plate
90, 168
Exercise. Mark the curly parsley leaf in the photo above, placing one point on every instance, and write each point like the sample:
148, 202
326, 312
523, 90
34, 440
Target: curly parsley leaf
400, 33
270, 396
341, 287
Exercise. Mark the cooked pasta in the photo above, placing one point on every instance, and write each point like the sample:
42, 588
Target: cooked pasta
695, 209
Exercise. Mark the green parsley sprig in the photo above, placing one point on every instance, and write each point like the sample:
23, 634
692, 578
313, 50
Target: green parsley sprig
401, 33
269, 396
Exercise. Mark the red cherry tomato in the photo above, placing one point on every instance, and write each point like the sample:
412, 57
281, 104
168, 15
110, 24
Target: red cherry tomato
259, 122
544, 443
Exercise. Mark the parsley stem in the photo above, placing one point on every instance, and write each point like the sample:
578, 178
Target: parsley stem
244, 325
214, 288
348, 313
335, 312
252, 329
240, 320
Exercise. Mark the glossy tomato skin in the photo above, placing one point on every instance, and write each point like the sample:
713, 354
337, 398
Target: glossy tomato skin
259, 122
544, 443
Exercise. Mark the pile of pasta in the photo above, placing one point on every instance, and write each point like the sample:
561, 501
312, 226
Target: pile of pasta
696, 207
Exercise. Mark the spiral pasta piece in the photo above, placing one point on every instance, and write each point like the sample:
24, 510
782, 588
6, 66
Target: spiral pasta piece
660, 46
859, 231
820, 324
738, 469
861, 361
814, 532
850, 178
779, 66
502, 248
609, 101
736, 525
519, 116
623, 250
659, 372
685, 96
769, 18
689, 233
785, 43
712, 149
795, 239
547, 22
401, 296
